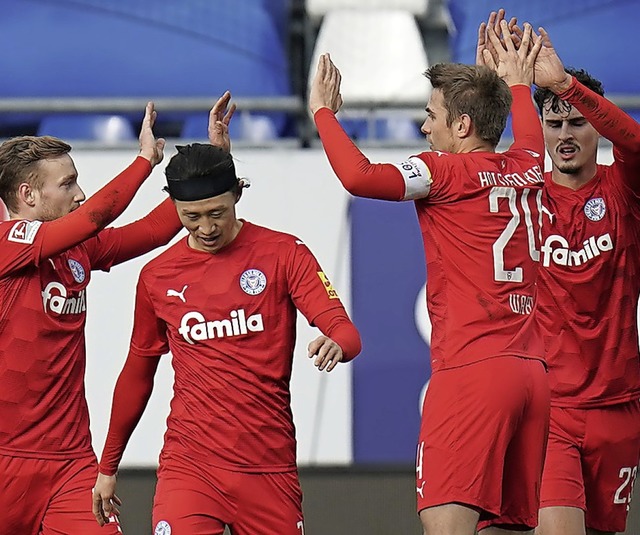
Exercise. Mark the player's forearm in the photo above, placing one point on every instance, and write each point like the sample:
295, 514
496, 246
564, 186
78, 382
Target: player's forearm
154, 230
356, 173
527, 130
336, 325
96, 213
609, 120
130, 398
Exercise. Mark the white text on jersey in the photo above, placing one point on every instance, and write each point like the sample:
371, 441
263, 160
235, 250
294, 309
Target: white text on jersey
237, 325
521, 304
54, 296
563, 256
532, 175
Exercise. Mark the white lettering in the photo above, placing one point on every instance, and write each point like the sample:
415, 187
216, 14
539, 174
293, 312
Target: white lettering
564, 256
238, 324
55, 298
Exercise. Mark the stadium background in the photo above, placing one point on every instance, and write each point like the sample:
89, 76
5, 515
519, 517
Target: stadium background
83, 69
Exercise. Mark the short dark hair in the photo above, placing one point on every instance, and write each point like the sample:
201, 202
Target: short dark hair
19, 157
476, 91
542, 96
201, 160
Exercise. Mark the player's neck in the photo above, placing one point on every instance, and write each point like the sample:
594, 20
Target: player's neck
574, 181
473, 145
24, 213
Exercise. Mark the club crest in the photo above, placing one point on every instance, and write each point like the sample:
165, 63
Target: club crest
595, 209
253, 281
76, 270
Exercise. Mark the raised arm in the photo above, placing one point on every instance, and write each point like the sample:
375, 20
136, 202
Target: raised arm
109, 202
356, 173
516, 67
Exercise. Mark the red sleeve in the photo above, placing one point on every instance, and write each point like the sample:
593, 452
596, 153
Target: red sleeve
527, 129
135, 383
94, 214
336, 325
130, 398
116, 245
358, 175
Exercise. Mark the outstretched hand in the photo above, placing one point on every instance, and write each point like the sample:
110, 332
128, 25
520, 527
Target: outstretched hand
549, 69
150, 148
219, 119
514, 65
325, 88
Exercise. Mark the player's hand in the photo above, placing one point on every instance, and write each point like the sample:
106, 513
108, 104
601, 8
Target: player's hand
327, 352
514, 65
325, 88
549, 71
150, 148
219, 118
105, 501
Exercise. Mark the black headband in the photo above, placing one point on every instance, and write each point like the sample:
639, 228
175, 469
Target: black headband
202, 187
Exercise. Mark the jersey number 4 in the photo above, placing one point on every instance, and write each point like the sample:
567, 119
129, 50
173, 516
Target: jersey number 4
501, 274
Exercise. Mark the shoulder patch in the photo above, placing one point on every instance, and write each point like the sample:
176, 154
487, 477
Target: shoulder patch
24, 231
328, 286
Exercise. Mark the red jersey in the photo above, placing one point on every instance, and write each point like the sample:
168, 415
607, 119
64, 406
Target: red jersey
589, 280
479, 213
480, 222
43, 411
229, 321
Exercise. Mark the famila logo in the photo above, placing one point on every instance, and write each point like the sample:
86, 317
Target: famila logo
194, 327
55, 299
563, 256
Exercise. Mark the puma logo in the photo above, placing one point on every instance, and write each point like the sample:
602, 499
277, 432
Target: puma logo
420, 490
175, 293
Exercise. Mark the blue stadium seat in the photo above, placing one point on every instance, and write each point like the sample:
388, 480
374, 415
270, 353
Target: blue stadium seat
104, 128
588, 34
389, 128
147, 48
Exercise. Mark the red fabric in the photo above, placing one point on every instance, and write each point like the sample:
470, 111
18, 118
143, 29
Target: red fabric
132, 392
229, 320
588, 294
268, 504
49, 496
94, 214
484, 446
526, 125
337, 326
591, 463
475, 311
358, 175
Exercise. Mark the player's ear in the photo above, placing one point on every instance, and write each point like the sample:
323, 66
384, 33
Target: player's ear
463, 126
27, 194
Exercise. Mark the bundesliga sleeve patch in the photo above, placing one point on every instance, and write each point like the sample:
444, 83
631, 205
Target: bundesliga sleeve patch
417, 178
24, 231
328, 286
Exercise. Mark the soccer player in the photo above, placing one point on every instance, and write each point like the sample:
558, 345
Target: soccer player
224, 302
49, 246
485, 415
589, 284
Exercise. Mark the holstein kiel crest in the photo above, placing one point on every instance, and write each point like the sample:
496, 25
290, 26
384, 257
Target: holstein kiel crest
595, 209
76, 270
253, 281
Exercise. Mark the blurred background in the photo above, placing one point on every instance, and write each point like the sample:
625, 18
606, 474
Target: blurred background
83, 70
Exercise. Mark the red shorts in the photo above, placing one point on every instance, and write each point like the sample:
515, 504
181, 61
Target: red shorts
592, 460
201, 500
49, 497
483, 438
